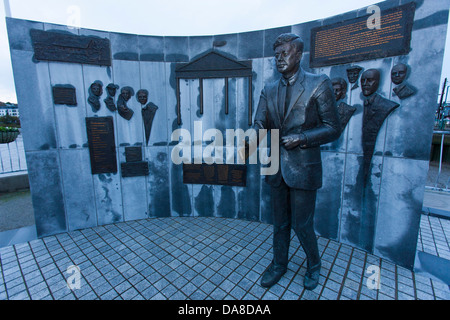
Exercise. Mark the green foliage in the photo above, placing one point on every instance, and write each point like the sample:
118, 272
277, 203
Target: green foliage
10, 121
8, 129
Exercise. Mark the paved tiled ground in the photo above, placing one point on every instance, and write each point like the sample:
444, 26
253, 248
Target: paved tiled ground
197, 258
434, 236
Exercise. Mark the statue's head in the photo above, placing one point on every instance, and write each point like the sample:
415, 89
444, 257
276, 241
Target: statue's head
339, 88
288, 49
370, 81
96, 89
112, 88
142, 96
353, 73
398, 73
126, 93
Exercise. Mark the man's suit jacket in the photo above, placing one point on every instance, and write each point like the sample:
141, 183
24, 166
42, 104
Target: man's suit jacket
313, 112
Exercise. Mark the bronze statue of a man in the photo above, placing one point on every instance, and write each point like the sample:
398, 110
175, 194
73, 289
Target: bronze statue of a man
302, 107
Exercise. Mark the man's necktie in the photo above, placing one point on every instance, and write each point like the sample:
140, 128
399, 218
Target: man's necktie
288, 98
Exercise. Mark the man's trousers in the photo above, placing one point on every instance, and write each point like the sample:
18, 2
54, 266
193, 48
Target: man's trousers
293, 208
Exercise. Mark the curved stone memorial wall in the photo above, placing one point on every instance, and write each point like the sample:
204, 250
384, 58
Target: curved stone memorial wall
99, 110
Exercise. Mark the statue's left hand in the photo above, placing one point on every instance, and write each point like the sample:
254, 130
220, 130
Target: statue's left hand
292, 141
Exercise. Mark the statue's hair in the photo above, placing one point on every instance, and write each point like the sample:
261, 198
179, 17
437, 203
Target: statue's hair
142, 90
340, 81
294, 39
375, 71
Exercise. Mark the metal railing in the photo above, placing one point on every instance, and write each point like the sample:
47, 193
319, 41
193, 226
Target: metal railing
12, 156
441, 152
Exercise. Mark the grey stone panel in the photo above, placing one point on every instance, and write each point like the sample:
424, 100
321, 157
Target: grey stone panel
108, 197
182, 194
227, 43
171, 101
360, 203
176, 49
248, 197
189, 103
134, 193
398, 219
203, 198
257, 86
158, 183
95, 33
429, 14
199, 45
78, 189
226, 201
44, 174
269, 74
329, 197
19, 33
242, 87
222, 120
34, 94
151, 48
153, 79
250, 45
124, 46
70, 120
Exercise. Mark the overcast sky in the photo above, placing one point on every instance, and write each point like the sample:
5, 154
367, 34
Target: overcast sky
169, 17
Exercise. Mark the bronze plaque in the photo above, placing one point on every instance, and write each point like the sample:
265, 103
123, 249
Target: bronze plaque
67, 47
64, 95
352, 40
134, 169
102, 146
217, 174
133, 154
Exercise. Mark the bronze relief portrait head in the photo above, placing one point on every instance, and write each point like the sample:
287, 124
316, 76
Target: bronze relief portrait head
142, 96
339, 88
353, 73
96, 89
398, 73
370, 80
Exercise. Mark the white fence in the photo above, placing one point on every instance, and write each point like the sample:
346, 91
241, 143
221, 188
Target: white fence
12, 156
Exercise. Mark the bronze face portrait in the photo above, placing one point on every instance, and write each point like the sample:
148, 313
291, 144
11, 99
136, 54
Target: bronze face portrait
370, 81
96, 89
353, 74
339, 88
142, 96
112, 88
398, 73
126, 93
